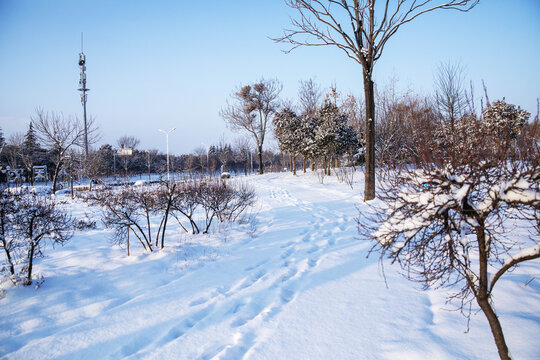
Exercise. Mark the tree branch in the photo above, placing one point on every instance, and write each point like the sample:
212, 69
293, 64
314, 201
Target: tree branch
524, 255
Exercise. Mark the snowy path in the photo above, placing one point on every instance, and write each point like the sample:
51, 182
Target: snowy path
298, 287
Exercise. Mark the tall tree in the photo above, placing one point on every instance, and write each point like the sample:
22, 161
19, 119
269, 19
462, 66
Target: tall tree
288, 132
309, 97
320, 23
58, 133
30, 140
252, 110
450, 95
333, 135
127, 145
2, 138
12, 150
30, 151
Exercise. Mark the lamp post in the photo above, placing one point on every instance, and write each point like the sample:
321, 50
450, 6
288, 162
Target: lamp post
167, 140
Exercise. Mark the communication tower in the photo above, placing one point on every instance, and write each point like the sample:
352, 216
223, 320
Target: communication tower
83, 90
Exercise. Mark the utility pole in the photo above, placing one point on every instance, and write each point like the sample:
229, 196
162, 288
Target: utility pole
83, 90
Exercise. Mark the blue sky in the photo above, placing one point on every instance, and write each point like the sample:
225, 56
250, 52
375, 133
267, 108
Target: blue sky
164, 64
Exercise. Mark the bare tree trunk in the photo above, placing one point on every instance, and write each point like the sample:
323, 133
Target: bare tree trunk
28, 280
293, 163
482, 296
55, 176
369, 94
10, 261
290, 161
4, 242
260, 151
166, 216
496, 328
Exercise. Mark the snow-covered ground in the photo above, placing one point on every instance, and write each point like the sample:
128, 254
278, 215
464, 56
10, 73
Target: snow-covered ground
294, 284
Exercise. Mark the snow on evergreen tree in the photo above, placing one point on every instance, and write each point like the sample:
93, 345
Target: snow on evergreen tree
334, 136
502, 118
2, 138
309, 148
288, 132
326, 133
30, 143
287, 129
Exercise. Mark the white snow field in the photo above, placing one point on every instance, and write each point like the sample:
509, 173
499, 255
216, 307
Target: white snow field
294, 285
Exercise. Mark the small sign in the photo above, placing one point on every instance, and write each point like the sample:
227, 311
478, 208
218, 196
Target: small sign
40, 173
125, 152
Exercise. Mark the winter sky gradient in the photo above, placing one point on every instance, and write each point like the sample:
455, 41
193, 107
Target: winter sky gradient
165, 64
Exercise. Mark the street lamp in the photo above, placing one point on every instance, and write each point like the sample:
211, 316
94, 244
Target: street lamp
167, 139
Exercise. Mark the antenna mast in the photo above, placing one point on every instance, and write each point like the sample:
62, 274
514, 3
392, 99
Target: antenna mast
83, 90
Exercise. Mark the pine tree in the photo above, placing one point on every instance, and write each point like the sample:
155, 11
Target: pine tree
288, 131
2, 138
333, 136
30, 144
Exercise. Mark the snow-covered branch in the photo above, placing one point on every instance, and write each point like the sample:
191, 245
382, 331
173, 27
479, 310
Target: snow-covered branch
524, 255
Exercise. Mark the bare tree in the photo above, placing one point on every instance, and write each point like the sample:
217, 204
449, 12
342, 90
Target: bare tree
352, 107
362, 37
127, 144
450, 93
13, 149
309, 97
449, 220
242, 151
202, 155
58, 133
39, 219
252, 110
151, 155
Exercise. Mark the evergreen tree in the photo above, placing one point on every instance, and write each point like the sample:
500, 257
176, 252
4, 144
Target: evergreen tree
505, 119
333, 136
30, 141
309, 148
288, 131
31, 153
2, 138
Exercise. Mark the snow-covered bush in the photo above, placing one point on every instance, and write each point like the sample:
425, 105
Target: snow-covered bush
134, 210
26, 221
505, 119
130, 210
219, 199
448, 216
85, 223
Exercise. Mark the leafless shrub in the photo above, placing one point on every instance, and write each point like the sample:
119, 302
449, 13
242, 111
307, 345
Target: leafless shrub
186, 202
345, 175
321, 174
26, 221
124, 213
224, 202
8, 212
131, 210
447, 212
